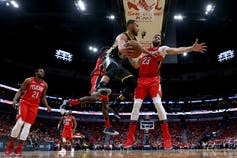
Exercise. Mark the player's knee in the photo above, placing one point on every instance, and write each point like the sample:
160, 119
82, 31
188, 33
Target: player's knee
25, 131
17, 128
157, 100
136, 109
160, 109
64, 140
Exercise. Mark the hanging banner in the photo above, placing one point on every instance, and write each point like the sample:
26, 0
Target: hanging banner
149, 15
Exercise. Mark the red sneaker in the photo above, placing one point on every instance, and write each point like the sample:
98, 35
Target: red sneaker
167, 144
129, 143
18, 150
9, 148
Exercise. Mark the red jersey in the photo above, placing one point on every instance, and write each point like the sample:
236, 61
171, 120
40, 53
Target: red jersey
99, 70
150, 66
34, 91
68, 122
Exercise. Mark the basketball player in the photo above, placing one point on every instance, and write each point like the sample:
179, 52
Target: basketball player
69, 126
31, 92
114, 64
96, 75
149, 83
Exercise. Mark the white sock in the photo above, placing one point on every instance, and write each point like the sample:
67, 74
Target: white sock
17, 128
25, 131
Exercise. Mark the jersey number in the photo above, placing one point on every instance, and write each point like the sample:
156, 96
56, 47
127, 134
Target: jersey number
146, 60
35, 94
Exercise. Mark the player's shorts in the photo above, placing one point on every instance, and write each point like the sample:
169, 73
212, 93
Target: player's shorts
146, 86
95, 80
67, 134
27, 111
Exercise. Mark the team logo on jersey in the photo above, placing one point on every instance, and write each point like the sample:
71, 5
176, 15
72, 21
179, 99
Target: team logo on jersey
37, 88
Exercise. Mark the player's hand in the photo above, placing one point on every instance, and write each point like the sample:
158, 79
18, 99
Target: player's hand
49, 109
199, 47
155, 54
14, 103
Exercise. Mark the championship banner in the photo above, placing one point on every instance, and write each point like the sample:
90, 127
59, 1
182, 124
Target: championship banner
149, 15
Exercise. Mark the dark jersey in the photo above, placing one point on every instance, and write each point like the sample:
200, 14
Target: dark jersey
113, 55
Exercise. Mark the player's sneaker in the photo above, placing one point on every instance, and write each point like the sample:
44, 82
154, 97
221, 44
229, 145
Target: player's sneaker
72, 150
9, 148
167, 144
129, 143
18, 151
62, 152
110, 131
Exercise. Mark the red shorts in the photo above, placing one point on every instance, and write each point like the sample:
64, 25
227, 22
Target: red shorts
67, 134
94, 81
146, 86
28, 111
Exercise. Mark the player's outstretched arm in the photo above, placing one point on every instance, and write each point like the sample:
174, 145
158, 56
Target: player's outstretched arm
60, 122
196, 47
20, 92
44, 100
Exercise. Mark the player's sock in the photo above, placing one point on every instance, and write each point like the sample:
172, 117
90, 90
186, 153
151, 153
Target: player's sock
73, 102
19, 148
166, 135
10, 146
131, 130
107, 123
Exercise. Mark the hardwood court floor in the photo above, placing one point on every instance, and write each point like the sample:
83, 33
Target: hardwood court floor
134, 154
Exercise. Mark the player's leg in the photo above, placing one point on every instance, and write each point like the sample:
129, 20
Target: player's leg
154, 93
83, 100
129, 82
64, 142
108, 129
29, 120
23, 110
111, 71
140, 93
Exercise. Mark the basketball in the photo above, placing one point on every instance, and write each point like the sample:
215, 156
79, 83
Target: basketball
136, 47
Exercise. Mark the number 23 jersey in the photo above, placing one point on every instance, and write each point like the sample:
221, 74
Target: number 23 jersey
150, 66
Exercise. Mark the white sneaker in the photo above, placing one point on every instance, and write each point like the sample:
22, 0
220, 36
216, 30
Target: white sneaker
72, 150
62, 152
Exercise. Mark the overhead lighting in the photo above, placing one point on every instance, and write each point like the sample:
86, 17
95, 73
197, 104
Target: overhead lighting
93, 49
185, 54
7, 4
63, 55
14, 4
80, 5
209, 8
111, 17
227, 55
178, 17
